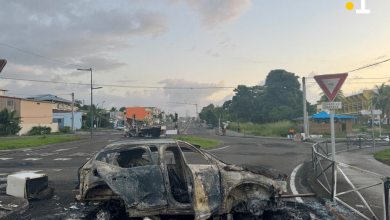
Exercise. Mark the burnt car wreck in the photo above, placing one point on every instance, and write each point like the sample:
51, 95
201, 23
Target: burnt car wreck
171, 177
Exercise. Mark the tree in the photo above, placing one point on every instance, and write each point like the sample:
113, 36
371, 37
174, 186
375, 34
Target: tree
282, 90
9, 124
122, 109
78, 103
113, 109
381, 98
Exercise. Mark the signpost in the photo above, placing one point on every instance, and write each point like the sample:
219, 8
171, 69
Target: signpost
2, 64
331, 85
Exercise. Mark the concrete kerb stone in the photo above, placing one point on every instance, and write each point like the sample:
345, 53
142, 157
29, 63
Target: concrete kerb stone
21, 206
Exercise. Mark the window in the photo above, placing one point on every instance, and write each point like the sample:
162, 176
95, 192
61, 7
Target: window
126, 158
59, 120
10, 103
191, 155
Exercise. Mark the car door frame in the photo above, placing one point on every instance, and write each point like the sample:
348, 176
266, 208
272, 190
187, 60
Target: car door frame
138, 202
204, 185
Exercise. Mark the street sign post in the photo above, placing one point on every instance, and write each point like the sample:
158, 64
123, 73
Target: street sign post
331, 85
2, 64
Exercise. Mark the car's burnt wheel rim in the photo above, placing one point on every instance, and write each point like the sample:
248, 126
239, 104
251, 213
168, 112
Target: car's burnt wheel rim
103, 215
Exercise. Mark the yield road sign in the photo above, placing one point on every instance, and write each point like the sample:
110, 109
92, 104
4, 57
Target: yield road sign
2, 64
331, 83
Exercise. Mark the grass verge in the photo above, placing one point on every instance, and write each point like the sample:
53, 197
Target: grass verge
383, 156
277, 129
33, 142
203, 142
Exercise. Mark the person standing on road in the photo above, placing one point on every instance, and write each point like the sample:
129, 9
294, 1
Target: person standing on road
238, 127
224, 129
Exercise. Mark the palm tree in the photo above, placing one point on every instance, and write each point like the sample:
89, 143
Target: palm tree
380, 99
9, 124
339, 97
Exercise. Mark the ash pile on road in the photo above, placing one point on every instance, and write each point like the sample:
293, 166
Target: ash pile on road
292, 210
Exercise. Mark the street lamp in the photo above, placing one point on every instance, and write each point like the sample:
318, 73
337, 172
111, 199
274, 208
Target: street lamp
90, 69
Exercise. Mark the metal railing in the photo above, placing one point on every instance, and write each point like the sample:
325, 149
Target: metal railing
327, 178
364, 138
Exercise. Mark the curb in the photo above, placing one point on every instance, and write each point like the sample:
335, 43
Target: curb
335, 213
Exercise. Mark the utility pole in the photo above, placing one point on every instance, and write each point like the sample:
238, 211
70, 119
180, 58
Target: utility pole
72, 111
372, 123
304, 107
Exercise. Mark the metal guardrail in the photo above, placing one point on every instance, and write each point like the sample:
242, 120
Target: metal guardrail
329, 181
363, 138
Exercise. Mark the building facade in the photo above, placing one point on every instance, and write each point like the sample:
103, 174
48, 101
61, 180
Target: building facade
65, 119
32, 113
58, 103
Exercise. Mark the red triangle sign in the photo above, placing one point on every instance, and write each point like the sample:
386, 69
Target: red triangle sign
331, 83
2, 64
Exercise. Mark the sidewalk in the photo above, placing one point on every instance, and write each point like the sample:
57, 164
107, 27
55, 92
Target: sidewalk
365, 160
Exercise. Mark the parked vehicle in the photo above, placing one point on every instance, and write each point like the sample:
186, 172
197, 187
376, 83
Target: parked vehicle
376, 121
210, 126
172, 177
120, 127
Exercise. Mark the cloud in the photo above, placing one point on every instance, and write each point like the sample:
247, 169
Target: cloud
74, 31
216, 11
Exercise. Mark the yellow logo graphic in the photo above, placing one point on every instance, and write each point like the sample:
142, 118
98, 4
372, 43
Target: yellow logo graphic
349, 6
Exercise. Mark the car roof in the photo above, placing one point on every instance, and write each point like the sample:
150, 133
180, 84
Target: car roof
129, 143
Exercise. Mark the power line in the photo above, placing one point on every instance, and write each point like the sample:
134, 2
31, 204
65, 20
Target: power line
374, 64
122, 86
59, 61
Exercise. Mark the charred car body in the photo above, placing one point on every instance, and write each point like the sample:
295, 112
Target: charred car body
171, 177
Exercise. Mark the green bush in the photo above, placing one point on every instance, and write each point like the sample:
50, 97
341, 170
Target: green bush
65, 129
39, 130
277, 129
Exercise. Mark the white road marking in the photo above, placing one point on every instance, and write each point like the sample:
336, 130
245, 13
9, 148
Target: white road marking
33, 159
65, 149
111, 140
6, 158
292, 183
81, 154
3, 174
63, 159
28, 171
3, 179
56, 170
88, 158
219, 148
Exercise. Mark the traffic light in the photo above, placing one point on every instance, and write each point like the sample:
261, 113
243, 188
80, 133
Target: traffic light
133, 116
175, 117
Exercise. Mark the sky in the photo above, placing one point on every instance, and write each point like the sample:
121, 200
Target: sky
158, 44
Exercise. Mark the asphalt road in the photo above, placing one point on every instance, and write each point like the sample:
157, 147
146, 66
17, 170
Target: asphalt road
61, 161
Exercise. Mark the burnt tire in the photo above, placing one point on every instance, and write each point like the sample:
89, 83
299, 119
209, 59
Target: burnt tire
257, 207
